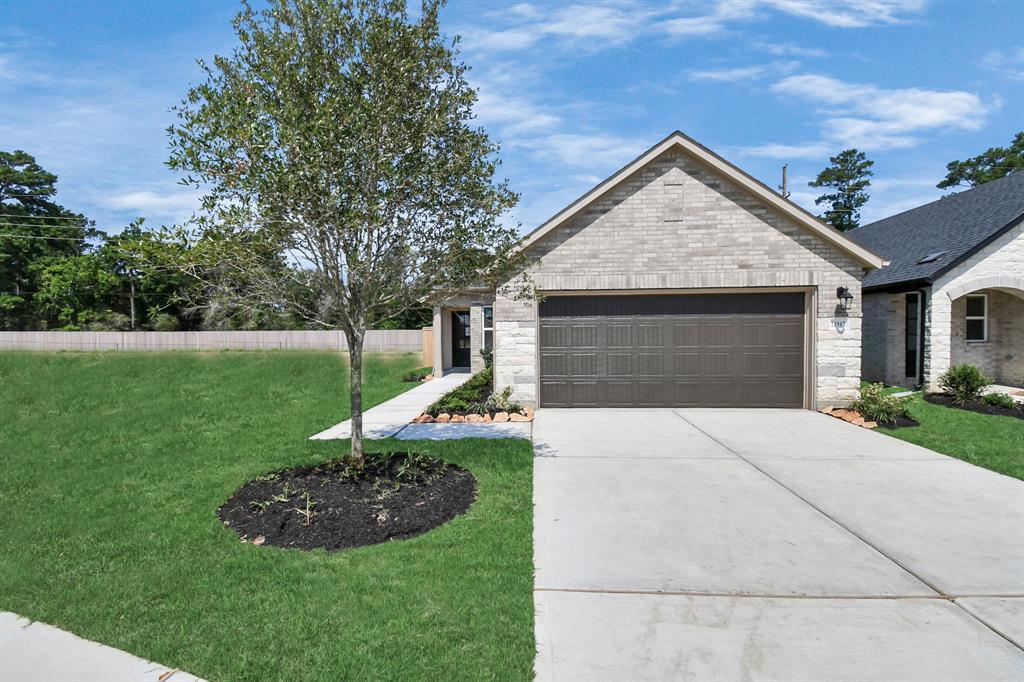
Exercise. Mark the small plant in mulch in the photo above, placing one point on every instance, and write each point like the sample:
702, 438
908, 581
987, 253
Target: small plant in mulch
964, 386
476, 402
874, 405
342, 503
964, 383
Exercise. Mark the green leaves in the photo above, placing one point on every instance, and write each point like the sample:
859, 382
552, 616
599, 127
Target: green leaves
994, 163
848, 177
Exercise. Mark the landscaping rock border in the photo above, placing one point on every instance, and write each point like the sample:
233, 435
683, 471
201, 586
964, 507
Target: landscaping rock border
857, 419
524, 415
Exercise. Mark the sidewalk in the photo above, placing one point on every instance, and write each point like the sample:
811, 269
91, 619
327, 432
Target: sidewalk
37, 652
392, 418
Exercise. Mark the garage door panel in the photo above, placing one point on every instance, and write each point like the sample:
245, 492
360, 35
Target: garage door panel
673, 350
650, 336
686, 335
650, 365
584, 364
554, 364
620, 365
620, 335
620, 393
554, 335
687, 364
584, 336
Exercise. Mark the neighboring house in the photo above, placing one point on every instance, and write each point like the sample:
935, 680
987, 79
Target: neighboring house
678, 281
954, 291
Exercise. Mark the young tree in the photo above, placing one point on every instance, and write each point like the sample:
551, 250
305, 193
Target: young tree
994, 163
848, 176
344, 178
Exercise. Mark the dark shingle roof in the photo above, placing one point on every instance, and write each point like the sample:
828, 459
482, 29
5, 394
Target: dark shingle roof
953, 227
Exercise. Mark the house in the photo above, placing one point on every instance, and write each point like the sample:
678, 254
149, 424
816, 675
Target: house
954, 290
678, 281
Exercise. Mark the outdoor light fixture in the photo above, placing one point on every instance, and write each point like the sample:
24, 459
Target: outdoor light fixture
845, 297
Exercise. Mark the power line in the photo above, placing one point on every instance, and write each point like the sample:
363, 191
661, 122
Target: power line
47, 217
52, 227
30, 236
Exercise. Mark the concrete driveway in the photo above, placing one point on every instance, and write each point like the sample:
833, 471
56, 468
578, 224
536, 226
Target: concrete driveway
768, 545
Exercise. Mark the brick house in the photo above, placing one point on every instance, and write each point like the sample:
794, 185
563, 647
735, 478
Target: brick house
678, 281
954, 290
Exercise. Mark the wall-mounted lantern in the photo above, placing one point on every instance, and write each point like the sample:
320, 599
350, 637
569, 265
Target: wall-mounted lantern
845, 298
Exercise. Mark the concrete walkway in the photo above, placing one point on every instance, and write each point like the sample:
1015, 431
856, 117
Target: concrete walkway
36, 652
391, 418
768, 545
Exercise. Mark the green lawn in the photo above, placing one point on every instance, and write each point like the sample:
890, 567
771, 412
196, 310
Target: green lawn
991, 441
115, 464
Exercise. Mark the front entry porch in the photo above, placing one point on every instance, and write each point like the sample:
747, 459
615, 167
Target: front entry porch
463, 329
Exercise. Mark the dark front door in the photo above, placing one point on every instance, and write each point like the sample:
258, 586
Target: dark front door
693, 350
460, 338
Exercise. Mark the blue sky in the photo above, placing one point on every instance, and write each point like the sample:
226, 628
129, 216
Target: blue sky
572, 91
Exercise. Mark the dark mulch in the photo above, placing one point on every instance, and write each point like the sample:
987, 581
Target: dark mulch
388, 500
900, 423
976, 406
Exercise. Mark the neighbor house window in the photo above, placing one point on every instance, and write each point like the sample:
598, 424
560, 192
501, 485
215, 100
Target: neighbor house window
488, 328
976, 327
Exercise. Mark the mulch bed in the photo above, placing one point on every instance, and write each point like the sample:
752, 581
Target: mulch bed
900, 423
387, 501
976, 406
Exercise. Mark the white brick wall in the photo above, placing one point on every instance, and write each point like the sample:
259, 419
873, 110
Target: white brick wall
675, 225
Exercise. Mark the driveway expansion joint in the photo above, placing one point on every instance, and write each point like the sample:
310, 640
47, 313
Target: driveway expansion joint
939, 592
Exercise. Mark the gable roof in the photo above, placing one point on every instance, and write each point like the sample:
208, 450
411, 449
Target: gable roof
925, 242
750, 184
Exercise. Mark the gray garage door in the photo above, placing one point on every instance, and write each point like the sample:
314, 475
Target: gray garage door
695, 350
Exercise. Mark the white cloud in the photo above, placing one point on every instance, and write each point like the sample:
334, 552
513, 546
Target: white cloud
597, 150
849, 13
874, 118
743, 73
808, 150
514, 114
175, 205
1008, 62
789, 49
594, 26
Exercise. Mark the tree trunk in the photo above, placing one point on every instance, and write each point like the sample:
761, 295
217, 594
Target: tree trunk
355, 354
132, 282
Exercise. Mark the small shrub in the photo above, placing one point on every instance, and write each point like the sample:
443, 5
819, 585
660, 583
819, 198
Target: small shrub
417, 374
1000, 400
964, 382
502, 402
875, 405
488, 355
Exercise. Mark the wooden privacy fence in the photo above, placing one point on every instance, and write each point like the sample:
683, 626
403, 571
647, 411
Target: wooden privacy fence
376, 341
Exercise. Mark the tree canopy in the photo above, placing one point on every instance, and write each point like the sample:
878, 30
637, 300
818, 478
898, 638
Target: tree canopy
345, 179
992, 164
848, 176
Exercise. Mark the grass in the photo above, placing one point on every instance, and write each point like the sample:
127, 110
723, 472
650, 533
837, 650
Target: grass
995, 442
115, 464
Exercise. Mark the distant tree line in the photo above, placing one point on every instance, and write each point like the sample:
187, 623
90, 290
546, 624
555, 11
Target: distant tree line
59, 272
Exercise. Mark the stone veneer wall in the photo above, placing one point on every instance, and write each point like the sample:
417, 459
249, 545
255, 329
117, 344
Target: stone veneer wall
674, 224
1002, 261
